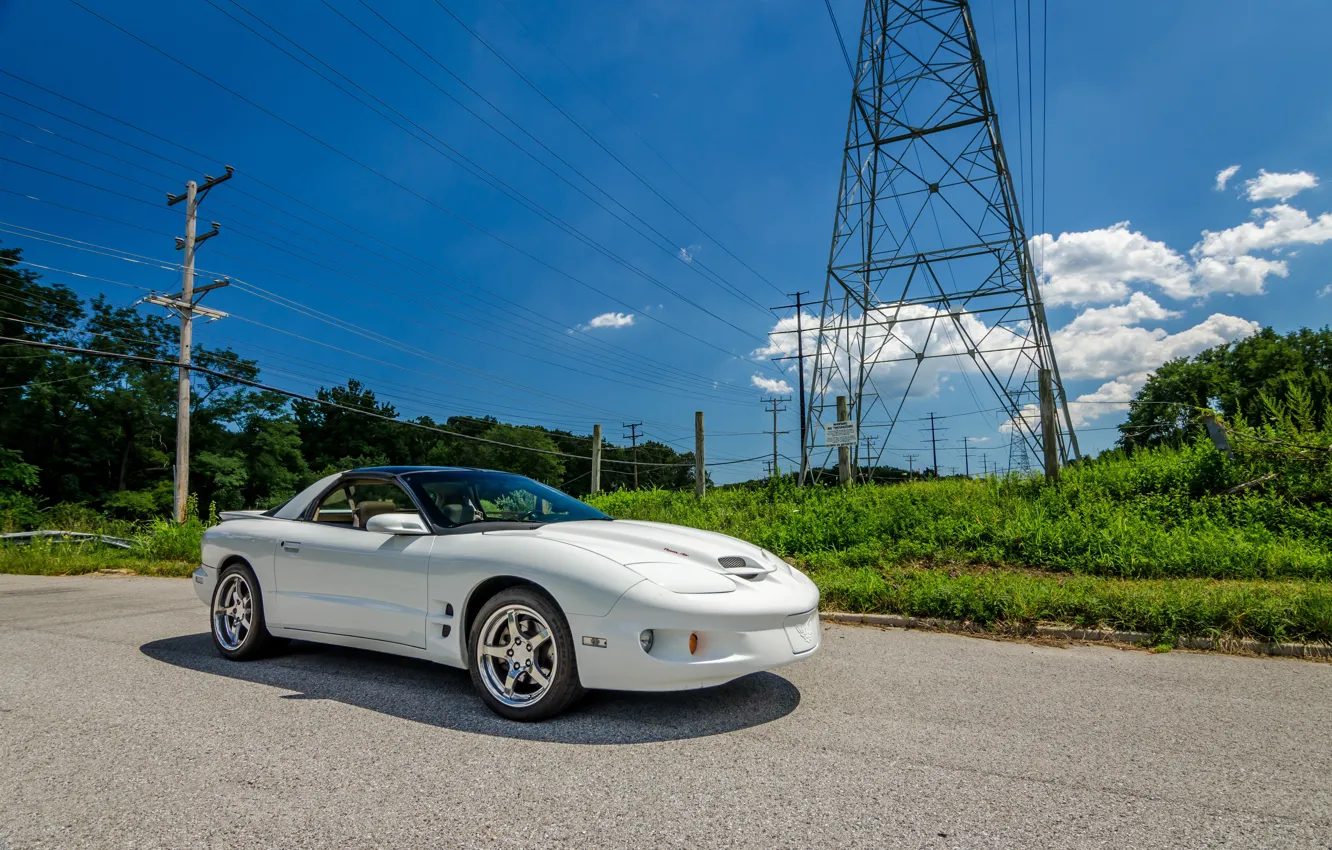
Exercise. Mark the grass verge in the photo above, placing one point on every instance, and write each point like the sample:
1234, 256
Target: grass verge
1295, 611
74, 559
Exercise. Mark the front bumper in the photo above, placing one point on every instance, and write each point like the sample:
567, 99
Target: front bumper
732, 641
204, 580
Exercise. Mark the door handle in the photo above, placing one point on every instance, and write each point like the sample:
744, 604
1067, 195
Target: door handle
290, 546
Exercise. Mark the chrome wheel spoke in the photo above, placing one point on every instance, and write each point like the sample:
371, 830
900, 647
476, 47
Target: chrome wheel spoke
534, 673
519, 637
539, 638
495, 651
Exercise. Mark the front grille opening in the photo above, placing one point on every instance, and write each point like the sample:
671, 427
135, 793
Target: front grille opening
733, 562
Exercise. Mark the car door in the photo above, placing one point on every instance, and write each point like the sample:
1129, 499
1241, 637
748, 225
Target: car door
334, 576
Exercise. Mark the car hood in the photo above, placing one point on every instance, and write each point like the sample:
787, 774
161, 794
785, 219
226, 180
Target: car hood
682, 559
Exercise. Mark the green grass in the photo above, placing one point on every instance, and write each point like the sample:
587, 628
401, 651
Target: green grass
1149, 544
1159, 516
1167, 608
44, 559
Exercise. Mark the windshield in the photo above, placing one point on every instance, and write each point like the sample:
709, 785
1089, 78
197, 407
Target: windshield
460, 496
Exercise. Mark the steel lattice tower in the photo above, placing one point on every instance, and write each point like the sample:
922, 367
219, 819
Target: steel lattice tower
929, 260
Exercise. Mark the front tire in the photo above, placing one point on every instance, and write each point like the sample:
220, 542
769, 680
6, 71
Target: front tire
522, 656
237, 615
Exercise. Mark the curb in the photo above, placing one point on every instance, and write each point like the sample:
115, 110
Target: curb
898, 621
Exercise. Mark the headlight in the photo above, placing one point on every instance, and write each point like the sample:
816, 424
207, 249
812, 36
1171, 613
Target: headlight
645, 640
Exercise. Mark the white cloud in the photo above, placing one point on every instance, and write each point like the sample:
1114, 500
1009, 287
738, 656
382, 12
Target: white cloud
1223, 176
1139, 308
1325, 291
770, 385
1276, 226
1096, 349
688, 253
610, 320
1280, 186
1096, 266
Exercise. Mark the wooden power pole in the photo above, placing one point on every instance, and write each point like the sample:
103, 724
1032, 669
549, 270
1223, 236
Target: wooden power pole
774, 410
700, 468
595, 487
633, 436
185, 305
1049, 427
843, 452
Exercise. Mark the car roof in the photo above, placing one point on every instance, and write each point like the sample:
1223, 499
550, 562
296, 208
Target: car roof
403, 470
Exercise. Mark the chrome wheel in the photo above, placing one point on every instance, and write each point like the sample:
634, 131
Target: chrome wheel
516, 655
233, 611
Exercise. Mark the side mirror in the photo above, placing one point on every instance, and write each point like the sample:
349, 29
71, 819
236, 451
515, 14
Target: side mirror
397, 524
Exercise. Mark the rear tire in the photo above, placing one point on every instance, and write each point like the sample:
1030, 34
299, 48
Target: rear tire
237, 616
522, 656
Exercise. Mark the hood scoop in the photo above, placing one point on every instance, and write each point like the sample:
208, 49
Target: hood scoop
742, 567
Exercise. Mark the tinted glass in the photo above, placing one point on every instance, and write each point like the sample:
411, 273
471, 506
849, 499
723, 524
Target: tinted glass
459, 497
353, 503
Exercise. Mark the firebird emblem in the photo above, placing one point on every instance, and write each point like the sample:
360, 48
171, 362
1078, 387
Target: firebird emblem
807, 629
673, 552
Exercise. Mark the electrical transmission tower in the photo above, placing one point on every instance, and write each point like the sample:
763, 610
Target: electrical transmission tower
929, 265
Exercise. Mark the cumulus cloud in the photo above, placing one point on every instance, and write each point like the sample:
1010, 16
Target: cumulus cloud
1097, 266
609, 320
1139, 308
1223, 260
689, 252
1325, 291
1104, 351
770, 385
1223, 176
1269, 186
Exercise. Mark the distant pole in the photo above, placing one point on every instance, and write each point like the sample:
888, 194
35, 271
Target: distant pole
193, 194
985, 464
596, 459
700, 468
774, 410
843, 452
633, 438
1049, 428
800, 370
966, 457
869, 458
934, 446
911, 466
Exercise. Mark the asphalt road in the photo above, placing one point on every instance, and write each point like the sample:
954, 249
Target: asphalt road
120, 727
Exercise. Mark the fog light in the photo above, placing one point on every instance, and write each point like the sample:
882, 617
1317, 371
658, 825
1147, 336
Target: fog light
645, 640
693, 643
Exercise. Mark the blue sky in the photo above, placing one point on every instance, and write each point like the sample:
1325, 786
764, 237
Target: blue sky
730, 118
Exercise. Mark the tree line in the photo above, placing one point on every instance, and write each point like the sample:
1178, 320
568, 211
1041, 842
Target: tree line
101, 432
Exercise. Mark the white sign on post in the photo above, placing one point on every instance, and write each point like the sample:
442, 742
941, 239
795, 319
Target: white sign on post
839, 434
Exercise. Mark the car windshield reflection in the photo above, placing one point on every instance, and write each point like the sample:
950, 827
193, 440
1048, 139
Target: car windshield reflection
458, 497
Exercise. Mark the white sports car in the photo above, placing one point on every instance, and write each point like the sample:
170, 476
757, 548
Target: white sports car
537, 594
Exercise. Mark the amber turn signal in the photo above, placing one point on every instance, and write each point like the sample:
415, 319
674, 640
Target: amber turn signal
693, 643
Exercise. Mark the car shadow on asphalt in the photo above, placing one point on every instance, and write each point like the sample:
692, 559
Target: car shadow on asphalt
425, 692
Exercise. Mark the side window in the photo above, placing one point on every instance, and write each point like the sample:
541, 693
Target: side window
353, 503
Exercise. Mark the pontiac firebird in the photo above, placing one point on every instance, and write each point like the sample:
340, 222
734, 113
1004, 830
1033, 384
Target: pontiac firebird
537, 594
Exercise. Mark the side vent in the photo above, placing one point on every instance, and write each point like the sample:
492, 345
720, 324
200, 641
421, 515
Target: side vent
746, 568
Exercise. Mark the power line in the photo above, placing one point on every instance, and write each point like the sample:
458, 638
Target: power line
850, 67
157, 361
492, 180
359, 163
511, 307
585, 132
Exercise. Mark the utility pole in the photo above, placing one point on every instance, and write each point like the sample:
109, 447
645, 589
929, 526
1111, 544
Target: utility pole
985, 465
1049, 427
911, 466
843, 452
966, 457
934, 443
700, 469
596, 460
633, 436
774, 410
869, 458
800, 371
185, 305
